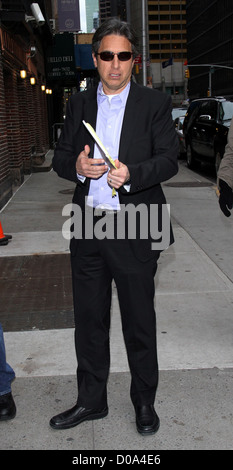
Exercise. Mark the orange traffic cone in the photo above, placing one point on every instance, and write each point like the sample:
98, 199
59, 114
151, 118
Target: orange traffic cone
4, 238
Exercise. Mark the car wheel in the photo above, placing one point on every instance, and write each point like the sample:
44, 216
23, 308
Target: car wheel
218, 158
190, 156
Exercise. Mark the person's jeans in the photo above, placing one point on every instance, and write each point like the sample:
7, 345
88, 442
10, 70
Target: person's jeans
7, 374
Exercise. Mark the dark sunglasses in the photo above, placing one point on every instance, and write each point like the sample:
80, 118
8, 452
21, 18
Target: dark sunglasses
107, 56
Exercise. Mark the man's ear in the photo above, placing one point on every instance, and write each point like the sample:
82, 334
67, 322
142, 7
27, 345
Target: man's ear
94, 59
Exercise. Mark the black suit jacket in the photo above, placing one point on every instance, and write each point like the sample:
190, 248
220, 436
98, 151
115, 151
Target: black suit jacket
148, 146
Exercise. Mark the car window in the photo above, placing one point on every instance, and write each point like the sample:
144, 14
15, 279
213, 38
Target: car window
177, 112
208, 108
191, 114
226, 110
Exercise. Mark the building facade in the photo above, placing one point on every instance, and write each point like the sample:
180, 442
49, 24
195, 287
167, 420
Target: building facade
23, 101
167, 44
109, 8
166, 50
92, 15
209, 41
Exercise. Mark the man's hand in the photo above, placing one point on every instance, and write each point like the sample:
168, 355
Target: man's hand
118, 177
90, 167
225, 198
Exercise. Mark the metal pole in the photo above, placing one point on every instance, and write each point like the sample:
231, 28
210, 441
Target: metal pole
144, 43
210, 81
128, 15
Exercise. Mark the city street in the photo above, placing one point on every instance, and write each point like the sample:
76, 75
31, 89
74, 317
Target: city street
194, 305
149, 58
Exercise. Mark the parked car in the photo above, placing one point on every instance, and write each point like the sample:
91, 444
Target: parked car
178, 123
177, 112
205, 128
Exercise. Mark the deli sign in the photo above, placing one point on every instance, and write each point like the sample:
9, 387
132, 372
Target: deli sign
60, 58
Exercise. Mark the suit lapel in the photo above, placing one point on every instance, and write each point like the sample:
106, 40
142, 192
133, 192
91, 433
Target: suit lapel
128, 126
131, 115
90, 114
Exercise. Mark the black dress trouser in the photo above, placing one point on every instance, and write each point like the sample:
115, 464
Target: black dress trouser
95, 263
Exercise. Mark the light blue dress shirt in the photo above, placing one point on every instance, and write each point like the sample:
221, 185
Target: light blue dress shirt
110, 115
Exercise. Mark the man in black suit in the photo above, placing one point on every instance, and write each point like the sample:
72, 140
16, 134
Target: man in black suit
134, 123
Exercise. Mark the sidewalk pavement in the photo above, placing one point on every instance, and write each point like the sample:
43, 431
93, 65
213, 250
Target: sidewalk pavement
194, 305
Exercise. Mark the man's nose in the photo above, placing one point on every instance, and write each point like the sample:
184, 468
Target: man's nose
115, 61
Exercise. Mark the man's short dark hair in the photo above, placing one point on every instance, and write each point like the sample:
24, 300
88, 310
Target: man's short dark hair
118, 27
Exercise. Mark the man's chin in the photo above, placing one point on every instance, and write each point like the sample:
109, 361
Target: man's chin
114, 86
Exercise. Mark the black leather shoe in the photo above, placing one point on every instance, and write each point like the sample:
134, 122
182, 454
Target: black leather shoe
147, 421
76, 415
7, 407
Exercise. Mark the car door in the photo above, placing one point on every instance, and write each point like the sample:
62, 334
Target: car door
204, 129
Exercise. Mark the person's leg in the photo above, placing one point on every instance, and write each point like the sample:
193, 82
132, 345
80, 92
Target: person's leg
92, 301
136, 299
7, 375
136, 288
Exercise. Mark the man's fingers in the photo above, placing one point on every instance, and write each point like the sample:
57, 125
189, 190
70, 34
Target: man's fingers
87, 149
118, 176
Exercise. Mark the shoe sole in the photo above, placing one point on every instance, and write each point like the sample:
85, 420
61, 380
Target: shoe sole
143, 432
81, 420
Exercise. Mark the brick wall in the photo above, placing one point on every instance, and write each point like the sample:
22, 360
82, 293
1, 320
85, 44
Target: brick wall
24, 123
5, 177
23, 127
13, 125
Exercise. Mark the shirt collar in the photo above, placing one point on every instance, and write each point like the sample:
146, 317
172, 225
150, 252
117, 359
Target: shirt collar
123, 95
